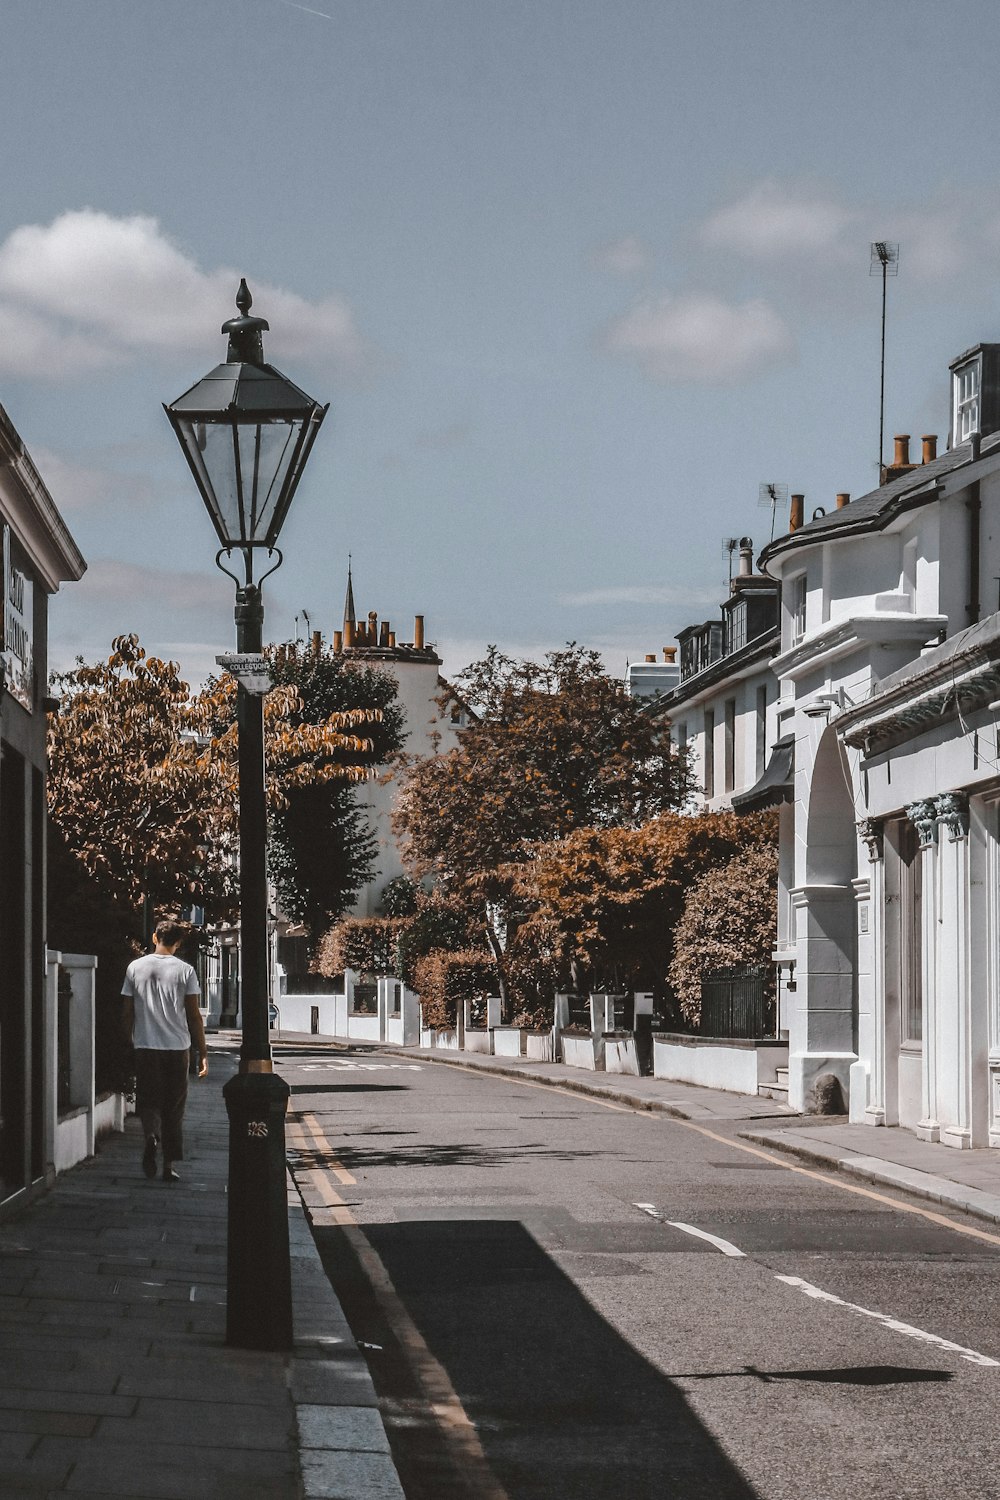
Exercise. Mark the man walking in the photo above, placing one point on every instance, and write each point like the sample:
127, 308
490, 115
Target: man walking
161, 1011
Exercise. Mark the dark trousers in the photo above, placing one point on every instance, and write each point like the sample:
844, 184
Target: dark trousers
161, 1085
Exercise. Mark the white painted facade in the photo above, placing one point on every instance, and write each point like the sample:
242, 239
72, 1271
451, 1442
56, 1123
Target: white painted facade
430, 730
888, 907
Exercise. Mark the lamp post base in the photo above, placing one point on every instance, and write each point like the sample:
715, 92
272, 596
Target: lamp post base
259, 1274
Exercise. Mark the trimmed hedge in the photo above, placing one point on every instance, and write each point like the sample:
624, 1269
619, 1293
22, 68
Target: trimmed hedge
444, 980
368, 945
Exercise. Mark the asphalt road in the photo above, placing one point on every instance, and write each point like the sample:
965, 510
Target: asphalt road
542, 1329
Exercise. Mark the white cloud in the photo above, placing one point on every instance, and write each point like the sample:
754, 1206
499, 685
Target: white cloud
92, 290
773, 222
641, 594
699, 338
625, 257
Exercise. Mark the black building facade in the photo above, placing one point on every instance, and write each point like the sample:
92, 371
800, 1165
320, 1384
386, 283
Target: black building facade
38, 555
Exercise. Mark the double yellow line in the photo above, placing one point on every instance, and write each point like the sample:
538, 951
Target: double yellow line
439, 1395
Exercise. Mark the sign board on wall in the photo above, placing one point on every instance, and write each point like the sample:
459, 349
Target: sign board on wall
18, 643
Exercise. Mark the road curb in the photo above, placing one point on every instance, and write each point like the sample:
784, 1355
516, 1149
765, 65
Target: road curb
574, 1085
885, 1174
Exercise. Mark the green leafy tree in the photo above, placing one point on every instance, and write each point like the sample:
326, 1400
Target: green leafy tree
322, 850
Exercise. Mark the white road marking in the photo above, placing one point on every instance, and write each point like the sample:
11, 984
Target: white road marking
897, 1327
344, 1067
702, 1234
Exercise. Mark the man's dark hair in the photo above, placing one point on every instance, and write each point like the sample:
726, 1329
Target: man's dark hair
170, 932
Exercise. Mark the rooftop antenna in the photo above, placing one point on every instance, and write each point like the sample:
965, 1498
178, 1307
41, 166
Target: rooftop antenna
884, 262
772, 495
729, 545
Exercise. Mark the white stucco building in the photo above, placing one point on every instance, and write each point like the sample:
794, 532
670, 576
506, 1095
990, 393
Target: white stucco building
434, 716
889, 674
723, 708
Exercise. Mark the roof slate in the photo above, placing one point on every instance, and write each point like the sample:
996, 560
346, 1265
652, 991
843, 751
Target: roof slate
883, 502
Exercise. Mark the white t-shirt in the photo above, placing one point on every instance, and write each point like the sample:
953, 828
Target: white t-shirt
157, 985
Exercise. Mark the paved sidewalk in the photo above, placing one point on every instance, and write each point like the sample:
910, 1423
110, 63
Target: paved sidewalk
114, 1378
965, 1180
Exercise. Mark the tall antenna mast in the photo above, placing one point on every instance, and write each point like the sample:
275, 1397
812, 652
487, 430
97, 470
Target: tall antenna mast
884, 262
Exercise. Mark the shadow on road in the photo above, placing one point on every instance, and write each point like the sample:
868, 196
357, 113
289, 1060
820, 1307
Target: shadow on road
453, 1154
850, 1375
565, 1409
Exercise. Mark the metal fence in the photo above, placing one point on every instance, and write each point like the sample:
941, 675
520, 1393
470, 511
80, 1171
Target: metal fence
738, 1002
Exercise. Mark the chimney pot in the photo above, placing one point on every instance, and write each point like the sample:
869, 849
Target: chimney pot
670, 653
338, 641
902, 444
746, 556
929, 441
797, 513
650, 657
383, 639
350, 633
418, 632
317, 642
392, 640
843, 499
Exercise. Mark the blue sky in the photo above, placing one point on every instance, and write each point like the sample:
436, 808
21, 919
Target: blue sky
576, 277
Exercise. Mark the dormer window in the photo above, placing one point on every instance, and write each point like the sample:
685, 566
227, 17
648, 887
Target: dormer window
966, 390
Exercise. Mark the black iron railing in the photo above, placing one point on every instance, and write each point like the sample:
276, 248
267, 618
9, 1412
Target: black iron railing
738, 1002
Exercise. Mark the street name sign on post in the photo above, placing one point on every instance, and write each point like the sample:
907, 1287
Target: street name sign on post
251, 669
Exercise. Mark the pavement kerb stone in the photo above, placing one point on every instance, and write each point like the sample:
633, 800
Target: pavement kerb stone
334, 1461
575, 1085
883, 1174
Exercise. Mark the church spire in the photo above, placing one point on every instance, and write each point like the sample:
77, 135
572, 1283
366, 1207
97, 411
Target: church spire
349, 611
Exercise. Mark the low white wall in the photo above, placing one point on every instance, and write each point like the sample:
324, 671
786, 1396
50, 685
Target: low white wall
109, 1114
477, 1039
72, 1140
583, 1052
620, 1056
734, 1066
539, 1046
507, 1041
364, 1028
295, 1013
446, 1039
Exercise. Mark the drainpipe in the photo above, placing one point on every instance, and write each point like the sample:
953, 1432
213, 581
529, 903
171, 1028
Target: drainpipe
974, 506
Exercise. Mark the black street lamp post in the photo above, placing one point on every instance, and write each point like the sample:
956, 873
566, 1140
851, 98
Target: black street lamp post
246, 432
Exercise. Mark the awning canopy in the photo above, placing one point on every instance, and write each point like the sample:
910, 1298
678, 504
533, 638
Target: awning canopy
775, 784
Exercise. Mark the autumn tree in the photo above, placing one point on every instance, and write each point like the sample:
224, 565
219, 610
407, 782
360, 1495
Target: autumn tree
556, 747
604, 903
730, 917
144, 780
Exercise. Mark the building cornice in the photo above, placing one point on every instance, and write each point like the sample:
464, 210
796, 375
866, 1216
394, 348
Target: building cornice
843, 637
731, 668
31, 513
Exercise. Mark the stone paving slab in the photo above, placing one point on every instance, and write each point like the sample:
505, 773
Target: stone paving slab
115, 1380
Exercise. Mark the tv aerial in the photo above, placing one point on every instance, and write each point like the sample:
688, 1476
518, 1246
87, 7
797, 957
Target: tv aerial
729, 546
771, 496
884, 262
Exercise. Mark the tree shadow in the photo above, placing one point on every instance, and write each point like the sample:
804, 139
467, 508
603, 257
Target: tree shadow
848, 1375
348, 1088
451, 1154
564, 1407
